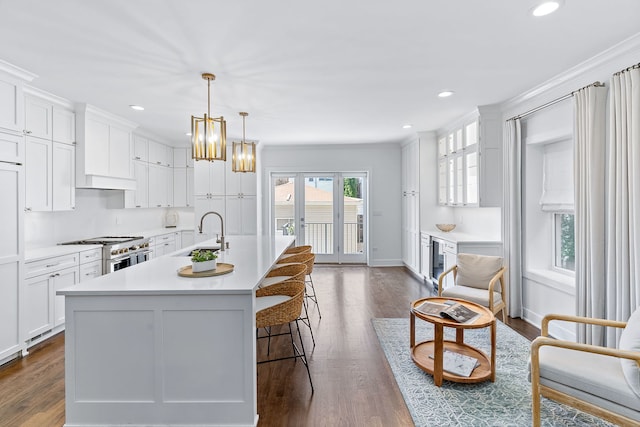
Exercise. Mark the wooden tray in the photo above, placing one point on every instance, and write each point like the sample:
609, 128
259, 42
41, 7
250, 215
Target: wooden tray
222, 268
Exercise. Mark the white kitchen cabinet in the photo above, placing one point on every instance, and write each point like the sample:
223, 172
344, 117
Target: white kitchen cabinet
160, 186
11, 259
44, 310
64, 125
11, 147
90, 264
209, 178
425, 256
104, 150
241, 215
182, 158
187, 238
139, 198
160, 154
49, 175
470, 160
140, 148
63, 181
411, 206
11, 101
38, 117
183, 186
38, 174
163, 244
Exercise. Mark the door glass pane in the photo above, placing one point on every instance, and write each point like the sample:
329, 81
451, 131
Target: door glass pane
471, 134
458, 177
472, 177
284, 205
353, 214
318, 213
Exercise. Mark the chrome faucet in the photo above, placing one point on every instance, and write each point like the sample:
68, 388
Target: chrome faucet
219, 239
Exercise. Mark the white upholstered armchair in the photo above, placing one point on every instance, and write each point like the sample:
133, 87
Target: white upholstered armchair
479, 279
602, 381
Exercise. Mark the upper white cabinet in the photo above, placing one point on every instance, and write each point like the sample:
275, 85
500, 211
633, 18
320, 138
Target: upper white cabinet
209, 178
12, 97
470, 160
104, 150
411, 167
140, 148
238, 183
411, 206
182, 158
50, 152
160, 154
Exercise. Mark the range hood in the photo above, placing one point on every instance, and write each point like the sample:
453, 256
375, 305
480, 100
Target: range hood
103, 150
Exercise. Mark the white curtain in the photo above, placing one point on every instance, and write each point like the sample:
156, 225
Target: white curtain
512, 231
623, 204
589, 189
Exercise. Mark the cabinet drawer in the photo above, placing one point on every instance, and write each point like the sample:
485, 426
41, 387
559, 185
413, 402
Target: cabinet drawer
90, 256
165, 238
450, 247
90, 270
48, 265
11, 147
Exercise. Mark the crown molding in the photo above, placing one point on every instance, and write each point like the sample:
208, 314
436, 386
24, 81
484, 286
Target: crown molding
628, 46
17, 71
47, 96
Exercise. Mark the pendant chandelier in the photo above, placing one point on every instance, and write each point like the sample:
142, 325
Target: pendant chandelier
208, 134
244, 153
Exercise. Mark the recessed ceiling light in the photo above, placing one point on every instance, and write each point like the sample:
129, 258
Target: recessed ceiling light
445, 93
188, 133
545, 8
407, 126
137, 107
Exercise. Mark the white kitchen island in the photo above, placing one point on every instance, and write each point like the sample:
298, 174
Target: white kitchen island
144, 346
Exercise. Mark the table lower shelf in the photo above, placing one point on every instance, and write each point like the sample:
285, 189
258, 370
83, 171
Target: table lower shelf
421, 352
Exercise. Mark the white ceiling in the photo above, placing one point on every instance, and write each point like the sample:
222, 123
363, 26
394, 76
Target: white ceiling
331, 71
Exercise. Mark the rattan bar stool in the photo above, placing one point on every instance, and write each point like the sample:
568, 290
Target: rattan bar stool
307, 259
281, 304
304, 249
281, 273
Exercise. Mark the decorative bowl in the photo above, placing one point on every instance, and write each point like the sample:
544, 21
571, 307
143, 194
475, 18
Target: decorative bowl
446, 227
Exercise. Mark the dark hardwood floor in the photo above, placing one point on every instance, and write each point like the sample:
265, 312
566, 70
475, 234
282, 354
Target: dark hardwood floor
353, 383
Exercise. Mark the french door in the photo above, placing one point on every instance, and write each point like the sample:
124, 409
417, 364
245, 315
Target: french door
324, 210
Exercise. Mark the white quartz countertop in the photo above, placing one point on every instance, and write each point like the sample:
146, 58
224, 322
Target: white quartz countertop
252, 257
458, 237
52, 251
160, 231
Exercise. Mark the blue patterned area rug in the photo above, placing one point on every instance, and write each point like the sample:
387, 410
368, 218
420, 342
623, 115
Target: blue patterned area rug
505, 402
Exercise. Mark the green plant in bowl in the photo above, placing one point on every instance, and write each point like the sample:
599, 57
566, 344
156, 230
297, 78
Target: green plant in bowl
204, 255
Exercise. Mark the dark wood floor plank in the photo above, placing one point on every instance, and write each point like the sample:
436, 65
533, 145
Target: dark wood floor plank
354, 385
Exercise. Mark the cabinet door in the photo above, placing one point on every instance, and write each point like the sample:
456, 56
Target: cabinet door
471, 177
11, 147
10, 341
249, 215
157, 191
140, 148
209, 178
11, 104
141, 194
62, 279
157, 153
180, 187
119, 152
64, 177
90, 270
38, 117
64, 125
38, 174
210, 224
180, 157
241, 215
38, 305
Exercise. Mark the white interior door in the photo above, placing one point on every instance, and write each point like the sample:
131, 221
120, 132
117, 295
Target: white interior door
324, 210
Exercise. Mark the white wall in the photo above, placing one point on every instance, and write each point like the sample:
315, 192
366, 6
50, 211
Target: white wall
93, 218
382, 163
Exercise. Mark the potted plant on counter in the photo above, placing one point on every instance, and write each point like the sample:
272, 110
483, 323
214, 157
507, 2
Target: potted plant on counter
203, 260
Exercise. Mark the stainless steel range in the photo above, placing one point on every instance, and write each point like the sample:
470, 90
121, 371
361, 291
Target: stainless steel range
119, 252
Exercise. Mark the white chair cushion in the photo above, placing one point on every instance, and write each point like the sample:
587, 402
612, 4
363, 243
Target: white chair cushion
270, 301
268, 281
574, 370
479, 296
476, 271
630, 340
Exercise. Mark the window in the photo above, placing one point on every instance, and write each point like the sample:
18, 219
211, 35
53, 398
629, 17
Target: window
564, 237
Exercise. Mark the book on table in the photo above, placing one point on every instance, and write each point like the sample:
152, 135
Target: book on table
458, 364
454, 311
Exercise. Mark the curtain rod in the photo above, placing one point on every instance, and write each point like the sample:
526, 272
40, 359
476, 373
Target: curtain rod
627, 69
555, 101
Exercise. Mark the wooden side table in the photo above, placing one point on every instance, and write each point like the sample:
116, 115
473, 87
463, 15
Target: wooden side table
421, 352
